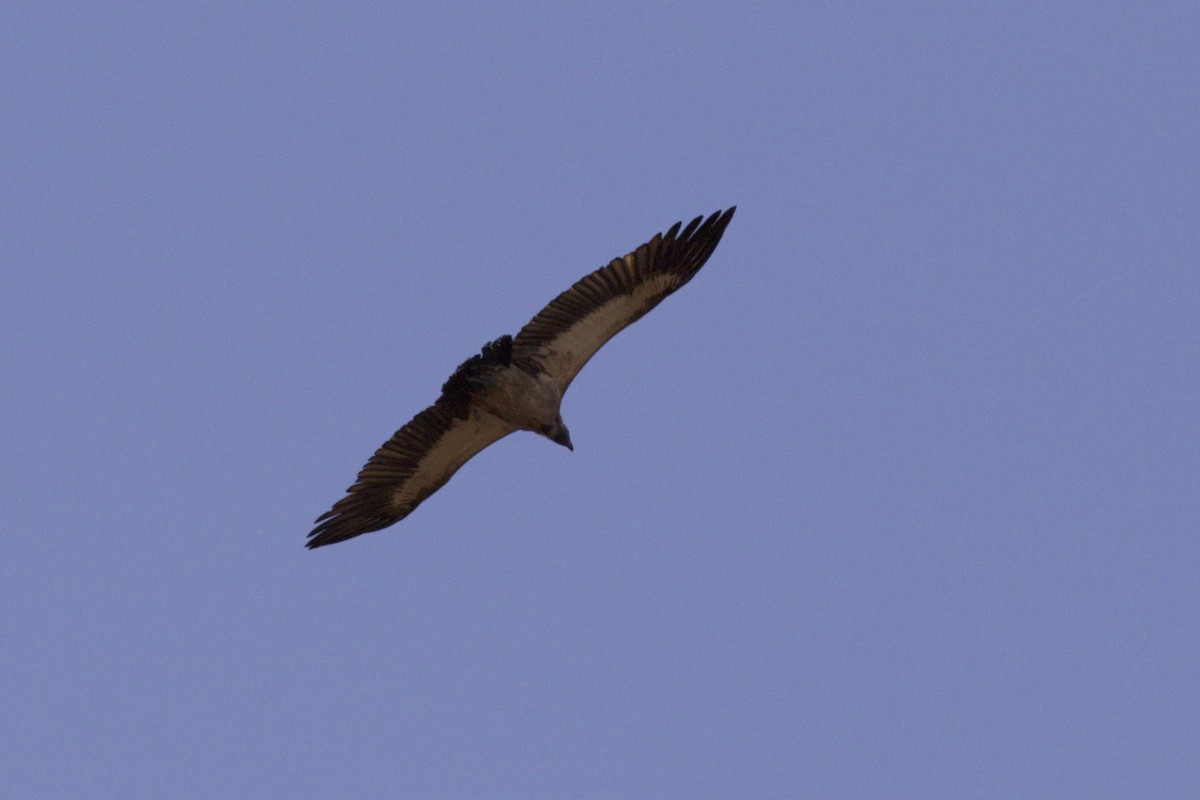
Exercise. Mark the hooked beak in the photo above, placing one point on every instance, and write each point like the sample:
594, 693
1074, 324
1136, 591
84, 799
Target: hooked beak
563, 436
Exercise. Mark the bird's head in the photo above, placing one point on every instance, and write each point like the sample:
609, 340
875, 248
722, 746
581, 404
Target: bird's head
558, 433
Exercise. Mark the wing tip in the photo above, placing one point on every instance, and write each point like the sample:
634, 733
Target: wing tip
720, 219
329, 531
707, 229
341, 526
688, 252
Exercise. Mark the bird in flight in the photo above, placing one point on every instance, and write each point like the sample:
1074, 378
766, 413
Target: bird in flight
517, 383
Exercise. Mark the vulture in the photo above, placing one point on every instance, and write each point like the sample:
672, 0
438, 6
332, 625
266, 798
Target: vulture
517, 382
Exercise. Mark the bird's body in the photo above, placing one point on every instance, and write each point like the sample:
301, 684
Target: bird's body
517, 383
527, 400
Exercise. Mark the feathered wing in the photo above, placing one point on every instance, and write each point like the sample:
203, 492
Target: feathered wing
577, 323
413, 464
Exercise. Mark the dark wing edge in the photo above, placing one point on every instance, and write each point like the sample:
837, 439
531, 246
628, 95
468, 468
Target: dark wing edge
565, 334
409, 467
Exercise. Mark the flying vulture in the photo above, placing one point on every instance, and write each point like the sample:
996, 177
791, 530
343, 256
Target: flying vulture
517, 383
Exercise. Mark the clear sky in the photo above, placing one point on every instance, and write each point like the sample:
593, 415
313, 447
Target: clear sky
898, 498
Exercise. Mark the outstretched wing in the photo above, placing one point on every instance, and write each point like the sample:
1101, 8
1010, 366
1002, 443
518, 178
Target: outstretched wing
409, 467
577, 323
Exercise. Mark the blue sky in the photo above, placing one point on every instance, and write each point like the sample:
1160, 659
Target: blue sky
896, 499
